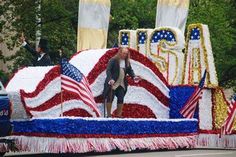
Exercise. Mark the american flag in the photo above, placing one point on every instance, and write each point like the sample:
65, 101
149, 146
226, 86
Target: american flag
227, 127
74, 81
163, 34
189, 108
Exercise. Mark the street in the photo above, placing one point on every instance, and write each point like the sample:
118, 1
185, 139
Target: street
177, 153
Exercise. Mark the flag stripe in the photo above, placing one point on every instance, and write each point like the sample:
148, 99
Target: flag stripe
69, 87
190, 106
190, 110
227, 126
193, 97
230, 121
66, 78
86, 88
76, 85
85, 100
82, 95
66, 86
189, 113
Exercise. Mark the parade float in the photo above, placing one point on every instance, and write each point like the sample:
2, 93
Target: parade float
182, 62
48, 119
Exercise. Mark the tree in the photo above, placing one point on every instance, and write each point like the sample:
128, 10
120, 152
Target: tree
220, 18
130, 14
59, 26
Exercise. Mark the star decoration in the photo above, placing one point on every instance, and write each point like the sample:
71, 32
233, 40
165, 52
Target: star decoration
142, 37
163, 34
124, 38
195, 34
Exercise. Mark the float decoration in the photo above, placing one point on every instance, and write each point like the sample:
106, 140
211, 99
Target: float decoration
151, 95
101, 135
199, 56
163, 46
156, 99
212, 109
127, 38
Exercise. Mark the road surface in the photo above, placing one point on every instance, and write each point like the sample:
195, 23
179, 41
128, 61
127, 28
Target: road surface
177, 153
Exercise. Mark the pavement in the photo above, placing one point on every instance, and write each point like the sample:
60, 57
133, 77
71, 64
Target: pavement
175, 153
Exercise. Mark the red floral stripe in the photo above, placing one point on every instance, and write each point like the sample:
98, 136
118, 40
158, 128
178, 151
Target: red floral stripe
101, 65
217, 131
152, 89
135, 55
49, 76
136, 111
99, 99
56, 100
77, 112
103, 135
133, 110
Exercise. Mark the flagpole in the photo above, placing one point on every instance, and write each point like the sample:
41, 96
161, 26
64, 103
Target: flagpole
38, 22
61, 89
62, 103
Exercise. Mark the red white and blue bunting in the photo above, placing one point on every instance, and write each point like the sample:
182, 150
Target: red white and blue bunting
77, 135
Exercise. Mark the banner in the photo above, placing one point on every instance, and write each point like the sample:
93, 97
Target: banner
172, 13
93, 21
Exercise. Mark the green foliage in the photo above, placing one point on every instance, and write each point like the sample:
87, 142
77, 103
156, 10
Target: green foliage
3, 77
56, 26
220, 16
59, 26
130, 14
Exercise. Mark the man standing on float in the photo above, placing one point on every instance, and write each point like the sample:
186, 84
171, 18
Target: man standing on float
41, 57
116, 83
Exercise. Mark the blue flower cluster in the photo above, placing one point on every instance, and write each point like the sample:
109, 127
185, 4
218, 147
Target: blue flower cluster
67, 126
163, 34
179, 95
195, 34
124, 38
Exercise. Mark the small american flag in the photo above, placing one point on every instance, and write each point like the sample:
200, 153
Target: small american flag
189, 108
74, 81
227, 127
